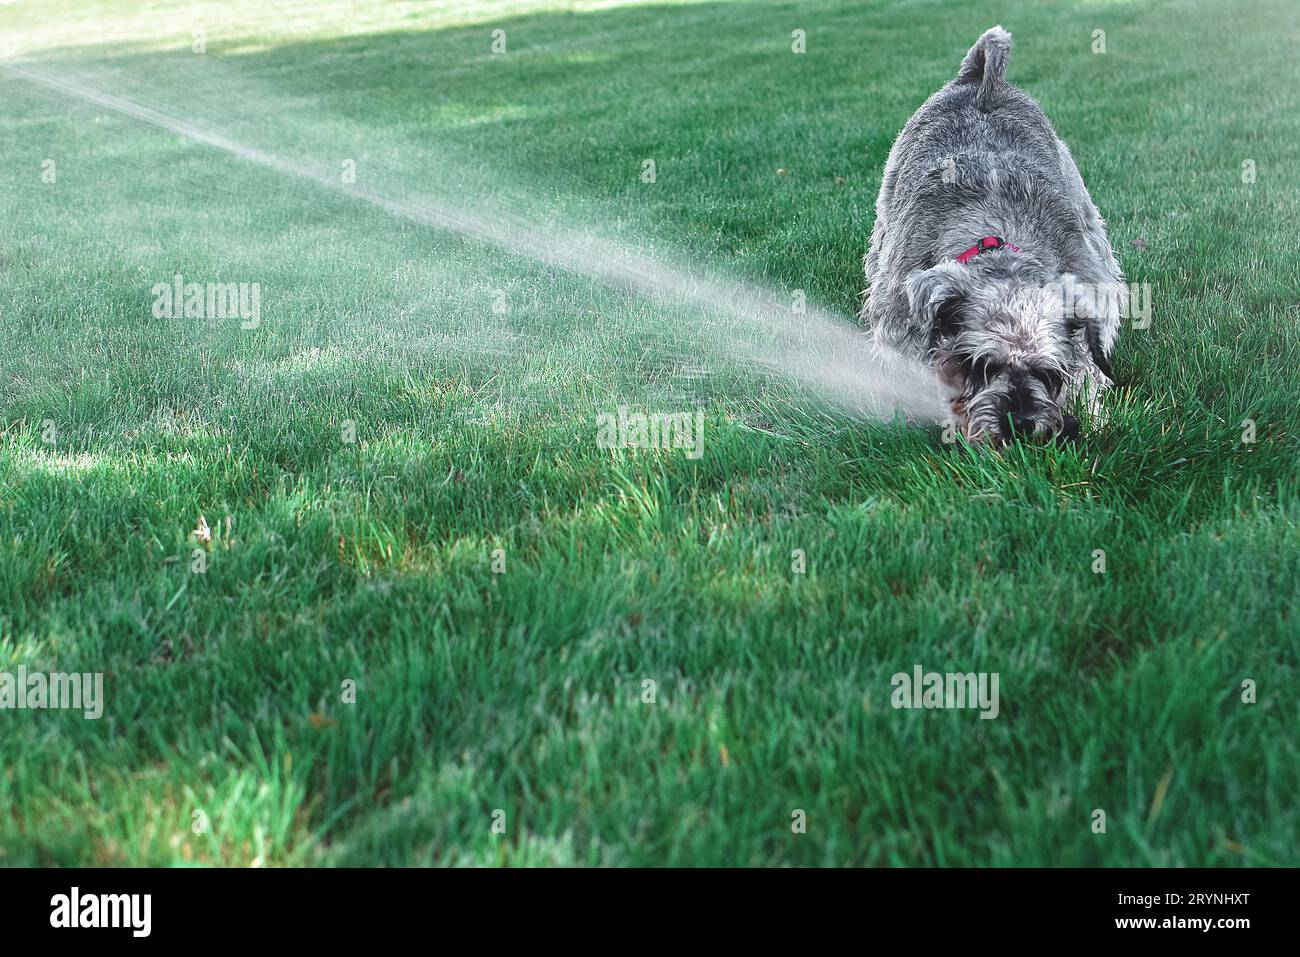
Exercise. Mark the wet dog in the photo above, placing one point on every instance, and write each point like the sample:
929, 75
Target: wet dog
989, 260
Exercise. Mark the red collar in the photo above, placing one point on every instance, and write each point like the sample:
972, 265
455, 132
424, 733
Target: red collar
984, 245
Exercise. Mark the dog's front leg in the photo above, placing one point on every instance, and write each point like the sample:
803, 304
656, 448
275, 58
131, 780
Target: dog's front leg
1084, 390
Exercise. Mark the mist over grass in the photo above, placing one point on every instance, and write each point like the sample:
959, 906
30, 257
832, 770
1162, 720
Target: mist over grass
714, 320
475, 431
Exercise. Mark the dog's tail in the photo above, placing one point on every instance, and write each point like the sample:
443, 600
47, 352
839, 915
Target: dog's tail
986, 64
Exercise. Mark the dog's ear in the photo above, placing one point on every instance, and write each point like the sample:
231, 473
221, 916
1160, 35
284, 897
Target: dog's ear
934, 298
1086, 308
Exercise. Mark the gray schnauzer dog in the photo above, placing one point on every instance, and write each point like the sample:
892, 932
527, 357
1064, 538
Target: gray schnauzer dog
989, 260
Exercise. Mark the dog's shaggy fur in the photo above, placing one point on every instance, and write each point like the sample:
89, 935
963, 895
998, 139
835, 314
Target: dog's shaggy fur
1015, 335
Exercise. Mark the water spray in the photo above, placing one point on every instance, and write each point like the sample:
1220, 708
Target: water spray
812, 346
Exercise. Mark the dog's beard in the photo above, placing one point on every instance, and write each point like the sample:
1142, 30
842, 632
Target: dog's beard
1009, 406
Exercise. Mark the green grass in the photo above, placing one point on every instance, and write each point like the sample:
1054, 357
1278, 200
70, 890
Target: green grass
522, 691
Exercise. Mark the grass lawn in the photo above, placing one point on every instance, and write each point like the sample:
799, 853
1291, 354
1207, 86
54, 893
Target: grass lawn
472, 380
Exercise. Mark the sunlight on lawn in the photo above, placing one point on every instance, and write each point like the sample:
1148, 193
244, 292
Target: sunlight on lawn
242, 26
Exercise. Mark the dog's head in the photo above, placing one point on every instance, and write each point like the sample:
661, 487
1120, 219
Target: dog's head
1004, 337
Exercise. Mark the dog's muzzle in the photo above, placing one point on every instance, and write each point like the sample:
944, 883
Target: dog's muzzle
1021, 427
1018, 416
